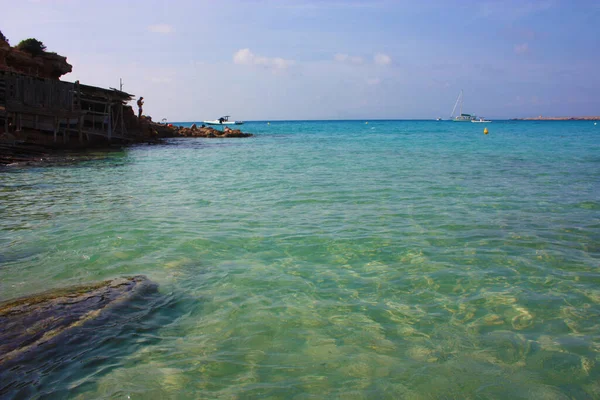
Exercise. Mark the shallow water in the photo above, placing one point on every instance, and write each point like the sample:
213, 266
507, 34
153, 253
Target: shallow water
394, 259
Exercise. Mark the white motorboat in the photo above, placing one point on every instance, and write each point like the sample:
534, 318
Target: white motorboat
224, 120
480, 120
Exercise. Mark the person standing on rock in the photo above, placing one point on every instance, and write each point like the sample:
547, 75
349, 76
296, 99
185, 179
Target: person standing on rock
140, 103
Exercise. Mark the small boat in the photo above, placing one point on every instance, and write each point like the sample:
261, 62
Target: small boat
461, 117
480, 120
438, 119
224, 120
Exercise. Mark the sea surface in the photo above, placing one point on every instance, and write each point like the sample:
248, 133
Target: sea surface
322, 260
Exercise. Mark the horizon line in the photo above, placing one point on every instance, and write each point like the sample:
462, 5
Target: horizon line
581, 118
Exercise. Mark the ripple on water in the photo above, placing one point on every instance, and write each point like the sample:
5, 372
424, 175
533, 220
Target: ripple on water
326, 260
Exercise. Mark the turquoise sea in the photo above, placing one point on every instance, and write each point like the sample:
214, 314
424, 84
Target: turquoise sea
322, 260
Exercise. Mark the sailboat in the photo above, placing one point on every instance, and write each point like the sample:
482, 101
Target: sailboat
461, 117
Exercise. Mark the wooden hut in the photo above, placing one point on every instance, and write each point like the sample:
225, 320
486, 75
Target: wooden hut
63, 108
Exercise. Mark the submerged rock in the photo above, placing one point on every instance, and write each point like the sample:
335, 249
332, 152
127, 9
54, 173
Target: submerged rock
28, 323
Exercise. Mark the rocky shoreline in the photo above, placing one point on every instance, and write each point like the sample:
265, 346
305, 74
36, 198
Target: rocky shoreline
35, 146
540, 118
209, 132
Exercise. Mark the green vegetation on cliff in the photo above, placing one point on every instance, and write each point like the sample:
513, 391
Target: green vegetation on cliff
32, 46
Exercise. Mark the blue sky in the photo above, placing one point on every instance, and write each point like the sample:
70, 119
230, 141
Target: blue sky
328, 59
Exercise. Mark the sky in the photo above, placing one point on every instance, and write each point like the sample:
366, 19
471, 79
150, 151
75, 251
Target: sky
194, 60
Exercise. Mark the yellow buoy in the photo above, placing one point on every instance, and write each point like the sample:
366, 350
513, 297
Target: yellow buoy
366, 122
485, 131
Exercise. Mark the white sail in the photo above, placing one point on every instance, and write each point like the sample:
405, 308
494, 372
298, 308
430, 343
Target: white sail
459, 98
461, 117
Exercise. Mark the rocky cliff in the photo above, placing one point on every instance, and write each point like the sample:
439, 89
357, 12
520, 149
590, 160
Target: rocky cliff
47, 65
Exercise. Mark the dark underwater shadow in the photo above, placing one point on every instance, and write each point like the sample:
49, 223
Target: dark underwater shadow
59, 355
97, 158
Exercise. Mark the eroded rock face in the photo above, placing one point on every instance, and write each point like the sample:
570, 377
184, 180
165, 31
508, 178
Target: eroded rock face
4, 49
55, 65
30, 322
48, 65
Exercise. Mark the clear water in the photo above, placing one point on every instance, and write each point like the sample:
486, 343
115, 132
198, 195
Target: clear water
394, 259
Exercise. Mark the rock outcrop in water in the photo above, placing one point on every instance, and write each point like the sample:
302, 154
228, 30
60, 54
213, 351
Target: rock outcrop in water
209, 132
154, 130
30, 322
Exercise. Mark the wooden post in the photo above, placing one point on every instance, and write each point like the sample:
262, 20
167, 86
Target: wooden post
55, 128
80, 126
103, 116
123, 129
109, 122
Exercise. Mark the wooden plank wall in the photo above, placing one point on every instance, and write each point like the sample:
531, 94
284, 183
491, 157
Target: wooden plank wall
56, 106
47, 95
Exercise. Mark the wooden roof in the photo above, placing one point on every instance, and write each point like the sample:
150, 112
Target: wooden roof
87, 91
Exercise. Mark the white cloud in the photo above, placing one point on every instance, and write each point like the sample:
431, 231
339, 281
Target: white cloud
161, 28
280, 63
246, 57
382, 59
522, 48
243, 56
345, 58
